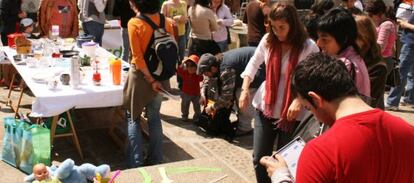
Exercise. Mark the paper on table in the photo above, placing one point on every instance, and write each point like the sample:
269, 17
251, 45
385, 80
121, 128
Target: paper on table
291, 152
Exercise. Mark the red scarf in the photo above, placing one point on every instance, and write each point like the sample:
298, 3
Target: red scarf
273, 71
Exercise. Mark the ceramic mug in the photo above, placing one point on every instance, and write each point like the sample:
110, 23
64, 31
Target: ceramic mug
65, 78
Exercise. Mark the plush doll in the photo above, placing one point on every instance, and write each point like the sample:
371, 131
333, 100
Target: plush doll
68, 172
41, 174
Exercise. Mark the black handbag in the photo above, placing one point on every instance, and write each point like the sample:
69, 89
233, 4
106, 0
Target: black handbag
393, 78
218, 124
309, 128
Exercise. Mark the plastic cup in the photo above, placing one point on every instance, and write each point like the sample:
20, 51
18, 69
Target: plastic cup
89, 48
116, 71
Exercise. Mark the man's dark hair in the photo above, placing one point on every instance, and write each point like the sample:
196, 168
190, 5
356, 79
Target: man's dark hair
324, 75
340, 24
204, 3
147, 6
322, 7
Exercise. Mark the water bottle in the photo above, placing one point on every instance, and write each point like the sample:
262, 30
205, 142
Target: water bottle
54, 33
74, 72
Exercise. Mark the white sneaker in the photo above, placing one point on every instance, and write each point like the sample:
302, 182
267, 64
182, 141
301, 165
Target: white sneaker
391, 108
402, 103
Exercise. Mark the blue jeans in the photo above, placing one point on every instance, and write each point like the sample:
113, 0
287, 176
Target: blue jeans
182, 41
134, 148
185, 105
406, 65
223, 45
94, 28
264, 136
125, 45
409, 89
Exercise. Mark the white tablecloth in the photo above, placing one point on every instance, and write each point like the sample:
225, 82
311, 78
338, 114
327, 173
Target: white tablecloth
49, 103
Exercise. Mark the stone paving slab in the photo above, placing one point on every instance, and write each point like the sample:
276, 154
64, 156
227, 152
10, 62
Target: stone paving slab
183, 143
133, 175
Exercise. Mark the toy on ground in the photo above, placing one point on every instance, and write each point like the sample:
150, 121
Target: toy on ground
41, 174
68, 172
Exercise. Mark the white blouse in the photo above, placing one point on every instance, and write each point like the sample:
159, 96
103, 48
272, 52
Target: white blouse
262, 55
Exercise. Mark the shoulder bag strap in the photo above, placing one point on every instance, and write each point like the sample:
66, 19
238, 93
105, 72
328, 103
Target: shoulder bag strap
151, 23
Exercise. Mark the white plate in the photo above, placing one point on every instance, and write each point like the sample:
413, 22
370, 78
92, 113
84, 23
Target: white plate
42, 77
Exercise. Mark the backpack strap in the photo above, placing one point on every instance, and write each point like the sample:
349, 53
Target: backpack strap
151, 23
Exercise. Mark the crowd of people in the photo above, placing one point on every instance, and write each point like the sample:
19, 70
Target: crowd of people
333, 62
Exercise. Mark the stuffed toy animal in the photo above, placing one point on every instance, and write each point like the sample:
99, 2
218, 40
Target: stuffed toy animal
68, 172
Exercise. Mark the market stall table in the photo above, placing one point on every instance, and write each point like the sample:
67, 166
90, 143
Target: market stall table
53, 102
239, 35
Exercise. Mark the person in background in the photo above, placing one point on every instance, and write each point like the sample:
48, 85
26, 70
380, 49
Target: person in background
92, 16
62, 13
26, 28
124, 11
141, 89
255, 17
231, 64
406, 66
191, 87
311, 20
190, 3
217, 94
31, 7
277, 111
403, 9
371, 53
203, 23
384, 19
224, 20
337, 34
177, 10
362, 145
10, 14
350, 4
238, 59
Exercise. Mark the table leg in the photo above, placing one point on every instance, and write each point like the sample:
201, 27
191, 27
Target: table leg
74, 135
119, 141
17, 107
53, 128
8, 102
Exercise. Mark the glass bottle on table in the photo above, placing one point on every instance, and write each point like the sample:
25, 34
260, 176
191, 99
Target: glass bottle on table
96, 76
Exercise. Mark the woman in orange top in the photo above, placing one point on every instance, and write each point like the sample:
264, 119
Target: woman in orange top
141, 89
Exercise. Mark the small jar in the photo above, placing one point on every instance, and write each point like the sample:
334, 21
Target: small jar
96, 78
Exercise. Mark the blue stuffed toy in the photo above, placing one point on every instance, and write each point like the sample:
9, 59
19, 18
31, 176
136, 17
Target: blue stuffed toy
68, 172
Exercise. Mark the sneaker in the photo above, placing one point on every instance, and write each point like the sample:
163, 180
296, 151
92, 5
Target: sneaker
185, 119
391, 108
402, 103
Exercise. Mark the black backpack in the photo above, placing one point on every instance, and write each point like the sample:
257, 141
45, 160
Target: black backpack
161, 55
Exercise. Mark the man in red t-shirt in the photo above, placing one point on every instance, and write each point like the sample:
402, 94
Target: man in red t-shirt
363, 144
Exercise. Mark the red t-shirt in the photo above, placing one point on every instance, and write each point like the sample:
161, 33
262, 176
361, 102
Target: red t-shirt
191, 82
371, 146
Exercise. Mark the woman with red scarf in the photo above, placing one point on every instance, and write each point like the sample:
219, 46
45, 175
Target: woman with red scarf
277, 110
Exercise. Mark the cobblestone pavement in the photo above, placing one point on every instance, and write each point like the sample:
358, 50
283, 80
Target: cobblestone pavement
182, 141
